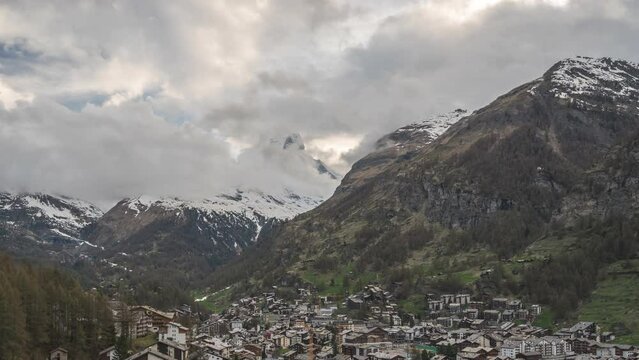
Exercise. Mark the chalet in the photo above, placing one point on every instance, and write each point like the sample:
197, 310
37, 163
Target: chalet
522, 314
383, 355
507, 325
243, 354
354, 302
377, 334
435, 305
236, 324
514, 305
183, 310
508, 315
611, 350
149, 354
148, 319
494, 340
255, 349
324, 355
298, 347
606, 336
477, 353
447, 298
174, 332
364, 349
282, 341
529, 356
289, 355
510, 348
465, 323
445, 321
471, 313
171, 348
214, 327
462, 299
213, 346
583, 329
396, 334
59, 354
478, 324
499, 303
479, 340
492, 316
582, 346
107, 354
207, 355
535, 309
479, 305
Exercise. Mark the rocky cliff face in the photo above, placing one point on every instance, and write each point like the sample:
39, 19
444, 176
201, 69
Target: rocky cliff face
524, 152
610, 188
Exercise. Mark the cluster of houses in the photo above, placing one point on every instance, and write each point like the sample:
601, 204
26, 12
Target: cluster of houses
453, 326
459, 310
172, 338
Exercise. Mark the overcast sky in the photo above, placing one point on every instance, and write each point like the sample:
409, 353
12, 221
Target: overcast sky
106, 99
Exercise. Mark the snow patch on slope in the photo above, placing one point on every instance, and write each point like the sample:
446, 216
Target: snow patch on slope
59, 211
587, 76
421, 133
252, 204
436, 125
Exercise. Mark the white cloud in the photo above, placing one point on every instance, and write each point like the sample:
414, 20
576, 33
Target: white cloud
10, 98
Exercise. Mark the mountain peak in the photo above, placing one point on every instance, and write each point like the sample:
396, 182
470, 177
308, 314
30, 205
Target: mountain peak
294, 146
294, 141
601, 77
422, 132
51, 216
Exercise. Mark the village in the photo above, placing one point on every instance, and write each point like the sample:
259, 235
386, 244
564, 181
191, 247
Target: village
366, 326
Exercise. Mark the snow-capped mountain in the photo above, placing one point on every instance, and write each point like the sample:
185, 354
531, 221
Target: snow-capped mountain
400, 144
179, 239
196, 235
603, 77
253, 204
50, 217
420, 133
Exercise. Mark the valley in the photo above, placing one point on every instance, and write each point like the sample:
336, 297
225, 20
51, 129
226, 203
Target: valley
532, 199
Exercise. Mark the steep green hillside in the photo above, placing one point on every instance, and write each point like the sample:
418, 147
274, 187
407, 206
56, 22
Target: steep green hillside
614, 303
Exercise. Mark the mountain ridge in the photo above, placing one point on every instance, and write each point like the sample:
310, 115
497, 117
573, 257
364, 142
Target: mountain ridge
516, 171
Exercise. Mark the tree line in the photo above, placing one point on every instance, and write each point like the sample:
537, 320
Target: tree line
43, 308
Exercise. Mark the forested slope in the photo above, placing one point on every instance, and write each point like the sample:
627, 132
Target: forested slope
43, 308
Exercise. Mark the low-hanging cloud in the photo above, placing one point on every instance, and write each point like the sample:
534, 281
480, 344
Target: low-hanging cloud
104, 154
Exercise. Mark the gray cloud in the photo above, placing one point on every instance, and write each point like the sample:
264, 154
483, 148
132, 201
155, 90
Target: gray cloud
103, 154
155, 97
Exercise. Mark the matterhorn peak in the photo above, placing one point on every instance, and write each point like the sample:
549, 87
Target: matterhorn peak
294, 141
